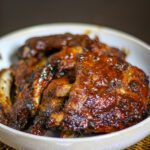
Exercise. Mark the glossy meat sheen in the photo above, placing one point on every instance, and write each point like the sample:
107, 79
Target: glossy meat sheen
40, 45
23, 72
35, 81
74, 85
37, 45
51, 105
65, 60
28, 100
109, 94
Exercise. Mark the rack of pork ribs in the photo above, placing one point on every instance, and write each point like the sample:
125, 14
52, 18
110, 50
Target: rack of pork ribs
71, 86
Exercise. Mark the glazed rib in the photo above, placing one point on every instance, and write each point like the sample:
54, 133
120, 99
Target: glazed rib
109, 94
72, 86
41, 45
36, 45
49, 114
64, 61
29, 99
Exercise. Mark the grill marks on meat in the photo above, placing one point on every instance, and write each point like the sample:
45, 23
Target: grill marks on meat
102, 99
81, 86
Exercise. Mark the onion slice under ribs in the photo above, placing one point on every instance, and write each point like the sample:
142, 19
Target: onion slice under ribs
6, 80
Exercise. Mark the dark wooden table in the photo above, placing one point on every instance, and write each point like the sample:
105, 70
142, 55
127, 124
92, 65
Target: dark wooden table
132, 16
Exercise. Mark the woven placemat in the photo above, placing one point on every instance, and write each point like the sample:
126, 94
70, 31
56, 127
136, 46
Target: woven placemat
142, 145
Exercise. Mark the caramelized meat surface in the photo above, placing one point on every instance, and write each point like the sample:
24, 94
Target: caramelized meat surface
109, 94
28, 99
74, 85
43, 45
35, 80
37, 45
51, 106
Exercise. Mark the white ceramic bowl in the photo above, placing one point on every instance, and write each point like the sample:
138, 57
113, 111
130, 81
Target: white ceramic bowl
139, 55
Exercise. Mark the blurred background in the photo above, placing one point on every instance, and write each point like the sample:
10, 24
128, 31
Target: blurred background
132, 16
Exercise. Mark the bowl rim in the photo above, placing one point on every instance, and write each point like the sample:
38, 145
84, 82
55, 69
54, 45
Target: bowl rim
119, 33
